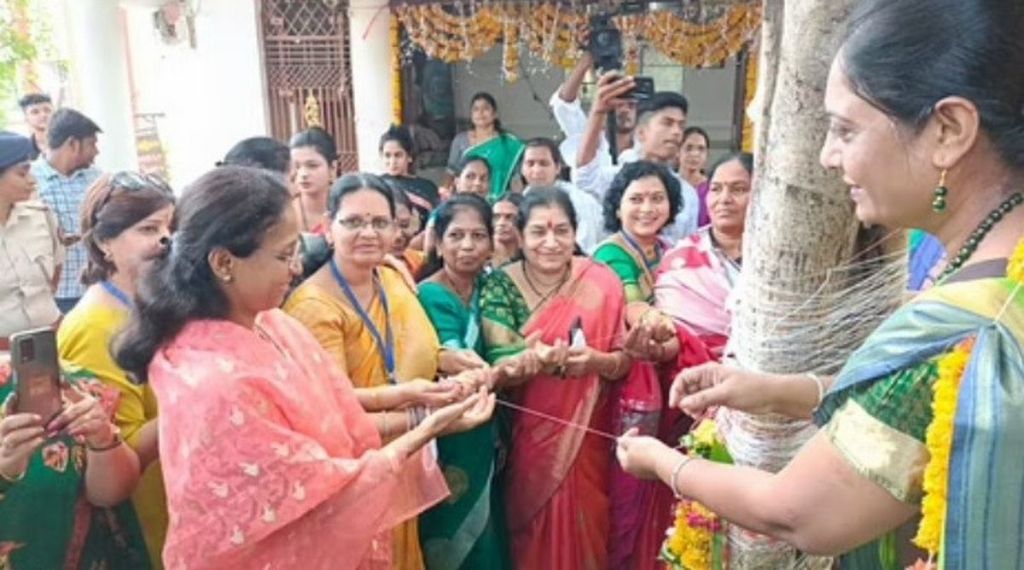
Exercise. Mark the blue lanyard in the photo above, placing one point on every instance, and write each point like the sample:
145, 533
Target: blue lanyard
386, 345
117, 293
650, 264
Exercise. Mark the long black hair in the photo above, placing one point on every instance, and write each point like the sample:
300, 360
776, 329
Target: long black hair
446, 212
905, 56
635, 171
231, 208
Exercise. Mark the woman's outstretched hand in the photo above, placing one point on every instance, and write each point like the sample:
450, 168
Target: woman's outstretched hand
696, 389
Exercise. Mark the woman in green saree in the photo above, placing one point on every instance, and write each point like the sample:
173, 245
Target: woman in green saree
64, 486
926, 419
489, 141
468, 529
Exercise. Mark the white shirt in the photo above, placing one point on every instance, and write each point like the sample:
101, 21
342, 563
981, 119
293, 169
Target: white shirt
589, 216
573, 121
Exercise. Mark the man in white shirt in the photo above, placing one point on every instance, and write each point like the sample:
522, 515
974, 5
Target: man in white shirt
541, 165
565, 105
659, 136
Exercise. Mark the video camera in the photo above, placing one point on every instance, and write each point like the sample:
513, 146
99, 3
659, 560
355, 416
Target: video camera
605, 47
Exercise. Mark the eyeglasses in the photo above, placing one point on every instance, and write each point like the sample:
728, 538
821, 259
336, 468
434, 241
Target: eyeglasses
128, 181
355, 224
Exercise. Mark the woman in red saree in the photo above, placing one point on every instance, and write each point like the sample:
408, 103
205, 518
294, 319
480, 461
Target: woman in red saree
268, 459
553, 324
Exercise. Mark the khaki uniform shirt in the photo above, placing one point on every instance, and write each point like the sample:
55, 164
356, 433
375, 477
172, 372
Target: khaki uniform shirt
30, 253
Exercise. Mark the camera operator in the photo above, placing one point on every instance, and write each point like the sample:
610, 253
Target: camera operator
565, 105
658, 138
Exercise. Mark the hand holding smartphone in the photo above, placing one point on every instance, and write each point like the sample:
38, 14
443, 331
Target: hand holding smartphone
36, 373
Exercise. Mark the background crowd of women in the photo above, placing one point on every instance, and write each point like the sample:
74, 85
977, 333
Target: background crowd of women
364, 372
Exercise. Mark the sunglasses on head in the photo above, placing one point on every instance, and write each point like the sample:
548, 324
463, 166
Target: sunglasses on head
128, 181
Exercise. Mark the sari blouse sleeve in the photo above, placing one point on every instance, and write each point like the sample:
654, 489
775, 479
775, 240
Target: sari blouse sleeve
326, 322
446, 314
624, 267
880, 430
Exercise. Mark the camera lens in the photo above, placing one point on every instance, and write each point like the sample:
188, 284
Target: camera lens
27, 348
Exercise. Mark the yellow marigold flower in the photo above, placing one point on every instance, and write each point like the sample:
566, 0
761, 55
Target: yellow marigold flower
1015, 268
939, 441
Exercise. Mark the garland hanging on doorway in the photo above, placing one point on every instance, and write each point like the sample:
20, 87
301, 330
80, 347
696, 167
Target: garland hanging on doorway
395, 36
552, 33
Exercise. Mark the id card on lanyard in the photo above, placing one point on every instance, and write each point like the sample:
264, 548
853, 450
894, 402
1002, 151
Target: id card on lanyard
385, 344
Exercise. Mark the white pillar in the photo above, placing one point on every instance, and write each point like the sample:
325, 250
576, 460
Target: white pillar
100, 81
371, 77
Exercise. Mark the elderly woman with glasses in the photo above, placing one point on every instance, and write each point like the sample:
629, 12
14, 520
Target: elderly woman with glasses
368, 318
126, 223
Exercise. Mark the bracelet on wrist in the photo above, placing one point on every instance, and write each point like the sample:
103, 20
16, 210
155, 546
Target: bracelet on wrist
820, 384
115, 441
675, 475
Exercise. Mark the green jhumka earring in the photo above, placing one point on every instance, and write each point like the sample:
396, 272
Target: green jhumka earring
939, 200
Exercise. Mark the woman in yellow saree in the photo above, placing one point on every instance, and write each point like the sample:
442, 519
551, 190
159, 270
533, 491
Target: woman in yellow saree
369, 320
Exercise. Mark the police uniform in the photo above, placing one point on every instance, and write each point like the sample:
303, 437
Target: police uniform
30, 254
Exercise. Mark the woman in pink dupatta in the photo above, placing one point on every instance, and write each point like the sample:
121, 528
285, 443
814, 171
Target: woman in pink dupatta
692, 287
268, 459
553, 325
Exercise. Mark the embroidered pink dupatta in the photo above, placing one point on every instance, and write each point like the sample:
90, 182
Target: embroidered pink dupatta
268, 459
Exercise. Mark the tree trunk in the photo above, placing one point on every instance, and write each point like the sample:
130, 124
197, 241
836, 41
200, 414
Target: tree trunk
799, 228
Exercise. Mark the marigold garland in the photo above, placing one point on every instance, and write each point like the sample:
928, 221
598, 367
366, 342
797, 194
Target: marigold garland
395, 33
1015, 268
691, 542
551, 33
939, 441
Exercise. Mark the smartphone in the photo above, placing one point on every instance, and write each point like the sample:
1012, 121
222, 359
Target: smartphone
576, 337
643, 89
36, 372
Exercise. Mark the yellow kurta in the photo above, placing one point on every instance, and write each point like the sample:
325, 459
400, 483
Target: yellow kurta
338, 328
84, 339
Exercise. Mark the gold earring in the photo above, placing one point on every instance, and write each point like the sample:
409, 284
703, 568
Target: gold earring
227, 278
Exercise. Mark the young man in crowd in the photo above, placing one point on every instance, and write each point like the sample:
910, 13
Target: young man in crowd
63, 175
37, 108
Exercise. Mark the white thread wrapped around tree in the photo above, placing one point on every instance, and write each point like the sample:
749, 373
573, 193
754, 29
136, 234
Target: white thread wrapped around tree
799, 230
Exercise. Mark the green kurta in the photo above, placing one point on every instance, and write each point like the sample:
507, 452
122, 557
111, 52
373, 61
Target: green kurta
45, 520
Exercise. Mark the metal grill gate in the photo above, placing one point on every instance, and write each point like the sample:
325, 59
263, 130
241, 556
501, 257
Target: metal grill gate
307, 52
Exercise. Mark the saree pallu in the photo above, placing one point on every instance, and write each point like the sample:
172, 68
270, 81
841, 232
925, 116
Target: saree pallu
556, 478
338, 328
985, 503
45, 519
502, 154
692, 287
468, 529
269, 460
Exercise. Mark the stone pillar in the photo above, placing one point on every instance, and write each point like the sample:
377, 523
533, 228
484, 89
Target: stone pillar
371, 77
101, 87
